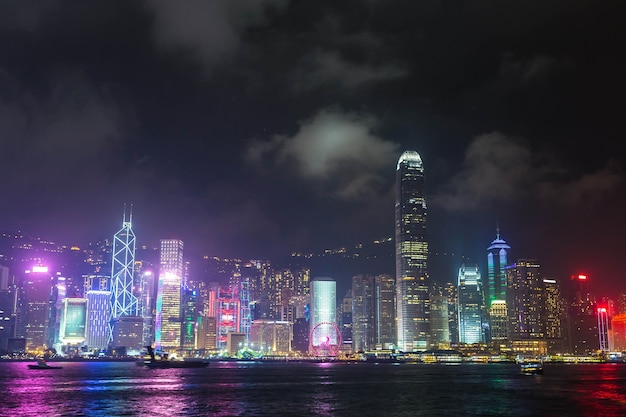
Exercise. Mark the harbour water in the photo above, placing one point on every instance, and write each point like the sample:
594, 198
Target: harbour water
312, 389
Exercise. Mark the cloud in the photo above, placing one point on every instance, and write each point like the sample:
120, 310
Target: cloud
495, 167
500, 169
210, 30
52, 137
336, 148
328, 68
25, 15
518, 71
588, 188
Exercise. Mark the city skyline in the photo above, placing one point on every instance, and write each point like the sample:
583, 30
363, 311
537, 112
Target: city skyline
255, 130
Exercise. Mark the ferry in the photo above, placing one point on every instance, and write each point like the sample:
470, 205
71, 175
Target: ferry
42, 364
165, 362
531, 368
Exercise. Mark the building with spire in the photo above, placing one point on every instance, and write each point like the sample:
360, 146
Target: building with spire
496, 261
495, 293
123, 301
412, 281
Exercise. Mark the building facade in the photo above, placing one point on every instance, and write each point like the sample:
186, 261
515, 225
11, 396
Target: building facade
525, 301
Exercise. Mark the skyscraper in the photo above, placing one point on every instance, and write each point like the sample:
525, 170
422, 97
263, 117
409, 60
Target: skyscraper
385, 287
38, 291
495, 293
411, 255
123, 301
583, 323
98, 314
496, 261
168, 305
325, 334
554, 316
525, 300
363, 313
470, 305
439, 318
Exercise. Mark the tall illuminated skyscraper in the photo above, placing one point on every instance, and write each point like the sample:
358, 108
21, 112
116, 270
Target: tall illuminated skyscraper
167, 335
123, 302
470, 305
413, 304
496, 261
38, 291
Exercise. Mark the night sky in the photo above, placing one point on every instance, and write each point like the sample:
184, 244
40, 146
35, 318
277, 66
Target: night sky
256, 128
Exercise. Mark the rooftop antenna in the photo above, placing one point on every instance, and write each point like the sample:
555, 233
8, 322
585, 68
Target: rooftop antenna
497, 230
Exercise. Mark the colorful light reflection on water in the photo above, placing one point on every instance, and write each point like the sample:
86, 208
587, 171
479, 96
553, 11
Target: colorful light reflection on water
311, 389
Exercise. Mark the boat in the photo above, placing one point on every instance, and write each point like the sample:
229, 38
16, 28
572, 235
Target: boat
384, 357
165, 362
42, 364
531, 368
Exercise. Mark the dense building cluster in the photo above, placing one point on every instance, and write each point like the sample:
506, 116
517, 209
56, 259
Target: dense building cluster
115, 297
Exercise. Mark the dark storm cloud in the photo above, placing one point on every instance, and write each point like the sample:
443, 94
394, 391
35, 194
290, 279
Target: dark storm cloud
208, 30
71, 128
335, 147
154, 102
501, 169
330, 69
25, 15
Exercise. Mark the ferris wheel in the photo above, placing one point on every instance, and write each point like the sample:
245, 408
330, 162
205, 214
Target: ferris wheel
325, 339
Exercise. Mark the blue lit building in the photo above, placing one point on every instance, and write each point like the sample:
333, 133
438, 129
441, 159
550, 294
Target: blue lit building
123, 301
470, 307
496, 262
98, 315
325, 335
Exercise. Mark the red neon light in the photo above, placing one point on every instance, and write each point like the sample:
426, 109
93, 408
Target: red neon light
601, 310
582, 277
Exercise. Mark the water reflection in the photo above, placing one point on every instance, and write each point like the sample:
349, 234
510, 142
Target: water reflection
323, 389
601, 391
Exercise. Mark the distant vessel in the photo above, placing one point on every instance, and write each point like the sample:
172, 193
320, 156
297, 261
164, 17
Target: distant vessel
165, 362
42, 364
531, 367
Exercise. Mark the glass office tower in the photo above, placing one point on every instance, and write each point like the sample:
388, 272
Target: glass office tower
412, 280
470, 305
168, 305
